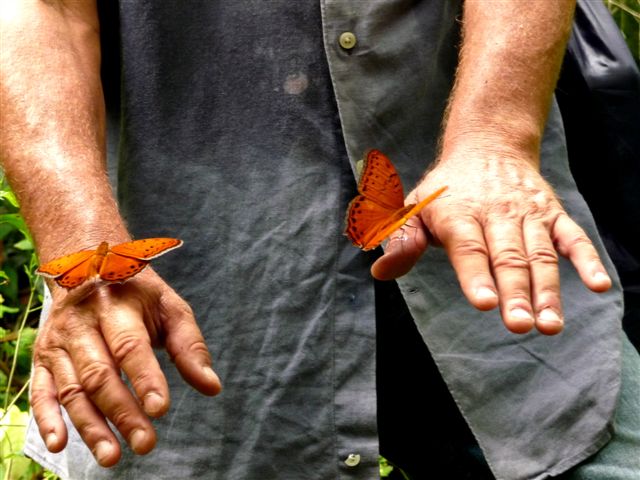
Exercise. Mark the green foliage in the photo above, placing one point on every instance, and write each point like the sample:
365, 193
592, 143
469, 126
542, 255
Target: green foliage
12, 427
390, 471
20, 299
385, 467
626, 13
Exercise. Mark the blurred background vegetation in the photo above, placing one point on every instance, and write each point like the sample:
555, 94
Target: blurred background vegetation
626, 13
21, 294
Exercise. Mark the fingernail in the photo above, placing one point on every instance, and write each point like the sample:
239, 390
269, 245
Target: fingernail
153, 404
549, 317
51, 441
484, 293
520, 314
601, 277
521, 321
102, 451
210, 374
137, 440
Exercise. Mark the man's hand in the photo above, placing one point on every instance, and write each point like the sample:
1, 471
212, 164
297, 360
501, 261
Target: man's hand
500, 221
501, 225
89, 339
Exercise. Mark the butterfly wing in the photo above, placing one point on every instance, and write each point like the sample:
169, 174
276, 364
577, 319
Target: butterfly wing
77, 275
369, 223
147, 248
400, 217
62, 265
120, 263
118, 268
365, 218
128, 259
380, 181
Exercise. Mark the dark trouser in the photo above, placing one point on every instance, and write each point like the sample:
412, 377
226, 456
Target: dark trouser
422, 431
420, 427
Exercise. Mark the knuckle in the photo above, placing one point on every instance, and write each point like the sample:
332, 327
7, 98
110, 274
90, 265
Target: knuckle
121, 417
49, 337
96, 377
185, 309
543, 255
46, 355
577, 242
579, 239
518, 297
70, 393
541, 204
90, 432
510, 258
548, 294
174, 306
199, 347
195, 348
505, 209
40, 397
125, 344
146, 376
470, 247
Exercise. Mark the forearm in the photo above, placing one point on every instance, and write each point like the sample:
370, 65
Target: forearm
52, 140
509, 63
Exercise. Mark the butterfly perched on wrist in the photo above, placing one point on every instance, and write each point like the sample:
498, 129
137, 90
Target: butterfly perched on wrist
379, 209
115, 264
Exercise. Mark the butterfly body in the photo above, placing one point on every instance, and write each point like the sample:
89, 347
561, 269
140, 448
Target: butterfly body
379, 208
116, 264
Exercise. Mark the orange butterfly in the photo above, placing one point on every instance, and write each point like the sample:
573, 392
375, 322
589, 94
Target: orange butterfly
116, 264
379, 210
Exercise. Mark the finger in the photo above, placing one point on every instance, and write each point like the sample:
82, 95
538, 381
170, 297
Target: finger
46, 409
186, 346
86, 418
406, 245
126, 335
510, 268
97, 378
544, 276
464, 242
572, 242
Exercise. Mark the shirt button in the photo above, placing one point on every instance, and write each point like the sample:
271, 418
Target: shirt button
352, 460
347, 40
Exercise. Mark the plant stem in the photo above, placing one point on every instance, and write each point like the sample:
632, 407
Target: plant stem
14, 363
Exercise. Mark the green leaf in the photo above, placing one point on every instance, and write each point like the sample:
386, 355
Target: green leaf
13, 425
25, 244
26, 349
385, 468
4, 309
9, 197
16, 220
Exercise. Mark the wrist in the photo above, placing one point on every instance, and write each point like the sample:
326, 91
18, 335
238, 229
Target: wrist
61, 241
484, 139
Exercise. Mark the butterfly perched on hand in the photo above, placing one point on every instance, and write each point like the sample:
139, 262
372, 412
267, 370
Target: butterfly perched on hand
379, 210
111, 264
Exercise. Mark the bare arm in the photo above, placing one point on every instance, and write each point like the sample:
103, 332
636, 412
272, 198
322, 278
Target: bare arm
52, 148
509, 65
53, 136
501, 223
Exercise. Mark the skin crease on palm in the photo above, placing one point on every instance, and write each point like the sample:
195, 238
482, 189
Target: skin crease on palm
499, 222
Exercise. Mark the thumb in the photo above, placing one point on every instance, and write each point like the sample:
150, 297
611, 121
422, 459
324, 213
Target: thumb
406, 245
